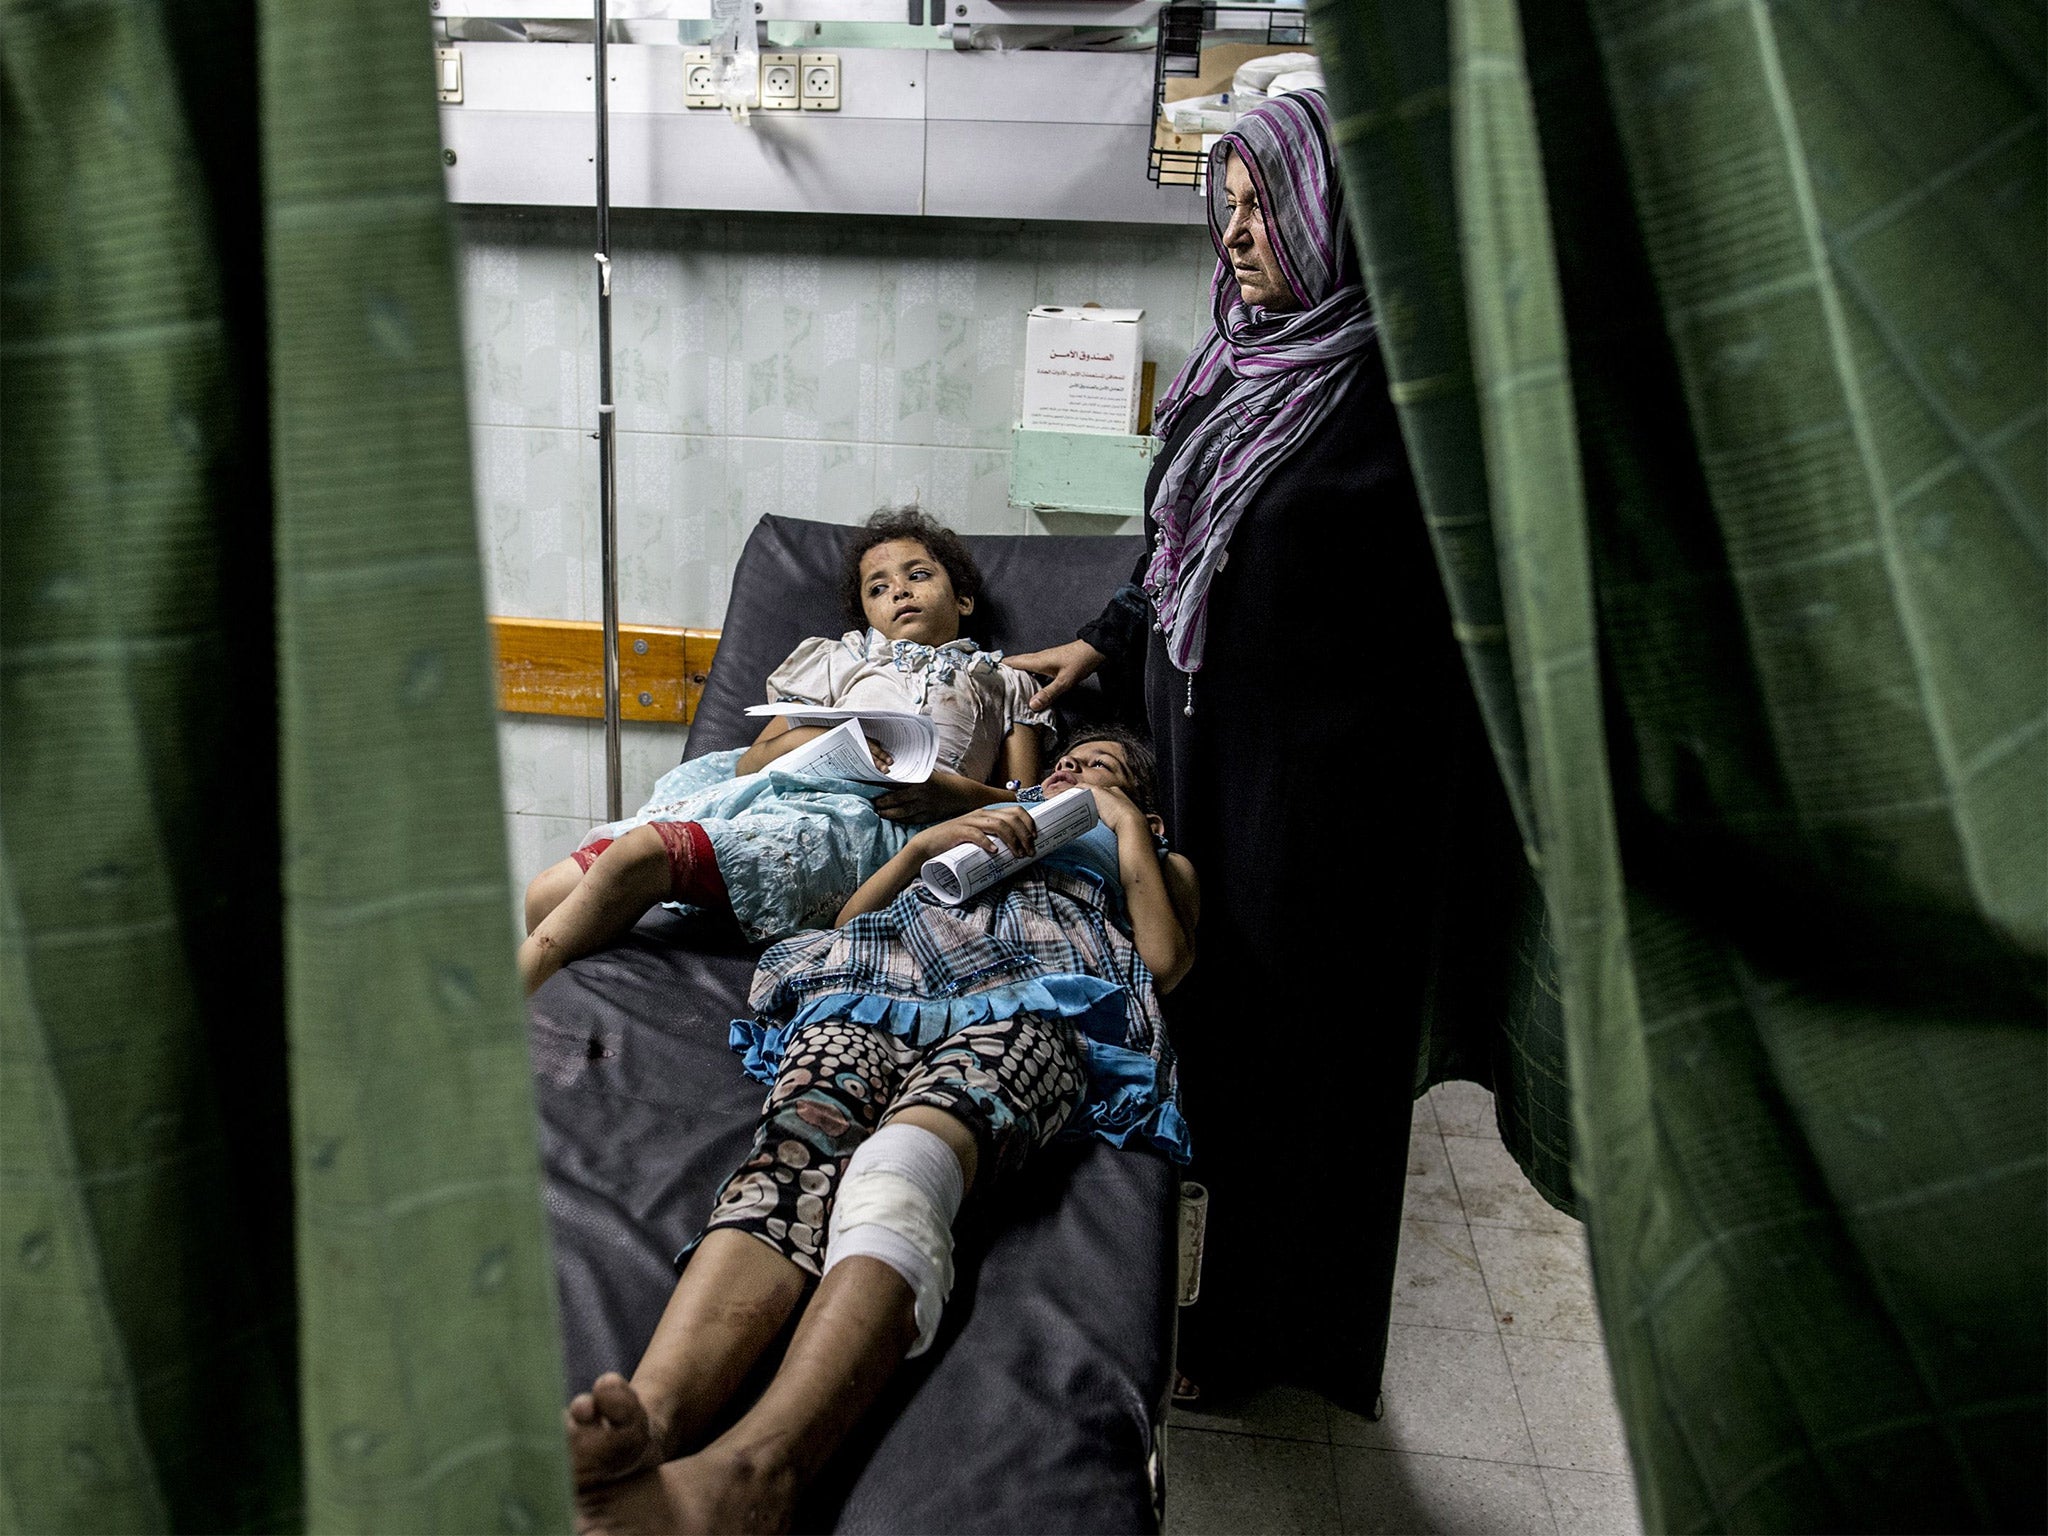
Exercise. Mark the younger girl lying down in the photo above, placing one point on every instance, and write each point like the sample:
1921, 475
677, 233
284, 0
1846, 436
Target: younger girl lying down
782, 852
920, 1053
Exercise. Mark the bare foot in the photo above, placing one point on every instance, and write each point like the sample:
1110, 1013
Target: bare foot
611, 1434
712, 1491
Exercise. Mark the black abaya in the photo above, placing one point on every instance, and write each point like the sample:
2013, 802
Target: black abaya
1307, 787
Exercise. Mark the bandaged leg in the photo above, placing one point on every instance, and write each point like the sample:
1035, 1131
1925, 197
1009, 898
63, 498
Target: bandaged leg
897, 1201
693, 874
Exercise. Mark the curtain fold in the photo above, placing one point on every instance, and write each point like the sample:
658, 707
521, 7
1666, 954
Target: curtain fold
1718, 337
432, 1369
272, 1253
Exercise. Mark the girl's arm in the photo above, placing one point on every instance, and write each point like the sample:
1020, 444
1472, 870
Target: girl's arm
949, 794
1021, 762
776, 738
992, 827
812, 673
1163, 897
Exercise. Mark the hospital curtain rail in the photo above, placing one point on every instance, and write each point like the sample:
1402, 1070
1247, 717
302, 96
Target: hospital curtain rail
272, 1251
1717, 333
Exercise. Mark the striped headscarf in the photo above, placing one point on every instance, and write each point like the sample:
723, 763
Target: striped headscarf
1291, 368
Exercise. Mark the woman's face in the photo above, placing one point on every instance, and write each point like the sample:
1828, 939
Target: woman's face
907, 595
1244, 238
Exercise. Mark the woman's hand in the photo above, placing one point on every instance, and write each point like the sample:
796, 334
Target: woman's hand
1067, 666
995, 828
884, 759
943, 794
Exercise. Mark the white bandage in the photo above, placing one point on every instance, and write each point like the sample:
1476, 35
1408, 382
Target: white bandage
897, 1200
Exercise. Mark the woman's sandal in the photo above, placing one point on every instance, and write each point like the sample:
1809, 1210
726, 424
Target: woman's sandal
1185, 1393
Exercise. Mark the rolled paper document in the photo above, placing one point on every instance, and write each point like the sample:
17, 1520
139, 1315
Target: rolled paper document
964, 872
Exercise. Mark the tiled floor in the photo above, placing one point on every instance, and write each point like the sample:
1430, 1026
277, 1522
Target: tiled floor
1498, 1413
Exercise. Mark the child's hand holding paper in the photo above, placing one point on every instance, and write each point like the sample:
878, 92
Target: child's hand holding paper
867, 746
972, 866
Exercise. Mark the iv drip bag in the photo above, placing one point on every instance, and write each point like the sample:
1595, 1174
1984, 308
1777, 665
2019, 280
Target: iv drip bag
736, 56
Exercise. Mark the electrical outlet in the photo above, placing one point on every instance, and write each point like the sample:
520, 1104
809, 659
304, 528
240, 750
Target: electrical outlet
448, 74
821, 82
779, 82
700, 78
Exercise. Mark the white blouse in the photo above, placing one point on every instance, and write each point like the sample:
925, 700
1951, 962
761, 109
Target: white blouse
971, 697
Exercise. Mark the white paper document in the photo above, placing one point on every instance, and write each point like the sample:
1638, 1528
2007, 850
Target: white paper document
963, 872
910, 739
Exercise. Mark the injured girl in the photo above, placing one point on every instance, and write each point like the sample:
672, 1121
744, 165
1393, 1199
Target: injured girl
781, 852
919, 1053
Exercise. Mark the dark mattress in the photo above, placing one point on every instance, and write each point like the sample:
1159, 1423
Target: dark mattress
1038, 1408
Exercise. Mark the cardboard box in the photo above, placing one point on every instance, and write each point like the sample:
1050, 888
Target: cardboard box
1081, 369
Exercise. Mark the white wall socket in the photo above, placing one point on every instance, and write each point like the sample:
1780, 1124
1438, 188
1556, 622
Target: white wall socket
789, 81
700, 78
821, 82
779, 82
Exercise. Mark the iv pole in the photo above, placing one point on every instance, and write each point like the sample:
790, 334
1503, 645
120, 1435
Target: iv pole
607, 460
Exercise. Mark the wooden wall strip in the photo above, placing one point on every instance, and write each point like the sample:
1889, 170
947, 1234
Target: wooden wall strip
556, 667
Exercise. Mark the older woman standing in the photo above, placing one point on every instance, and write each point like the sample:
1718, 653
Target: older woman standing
1300, 682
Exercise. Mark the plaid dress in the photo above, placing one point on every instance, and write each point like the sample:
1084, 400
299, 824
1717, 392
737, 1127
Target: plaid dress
1052, 942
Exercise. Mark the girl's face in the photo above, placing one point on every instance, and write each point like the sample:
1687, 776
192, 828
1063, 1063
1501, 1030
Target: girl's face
1099, 765
907, 595
1095, 763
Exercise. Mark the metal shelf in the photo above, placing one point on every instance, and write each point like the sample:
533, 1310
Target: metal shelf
1178, 56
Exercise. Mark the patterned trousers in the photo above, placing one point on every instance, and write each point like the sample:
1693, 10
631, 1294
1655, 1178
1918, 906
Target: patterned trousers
1014, 1083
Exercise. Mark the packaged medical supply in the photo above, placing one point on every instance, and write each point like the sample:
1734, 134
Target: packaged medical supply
1252, 84
1203, 114
1295, 80
1257, 75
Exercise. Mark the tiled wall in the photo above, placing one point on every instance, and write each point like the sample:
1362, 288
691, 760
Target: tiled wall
808, 365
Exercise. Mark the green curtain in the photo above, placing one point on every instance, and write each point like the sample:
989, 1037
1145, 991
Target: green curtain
272, 1251
1717, 332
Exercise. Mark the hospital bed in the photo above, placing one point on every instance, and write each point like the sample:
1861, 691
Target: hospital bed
1042, 1407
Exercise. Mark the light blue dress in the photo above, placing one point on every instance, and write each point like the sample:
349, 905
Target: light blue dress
791, 848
